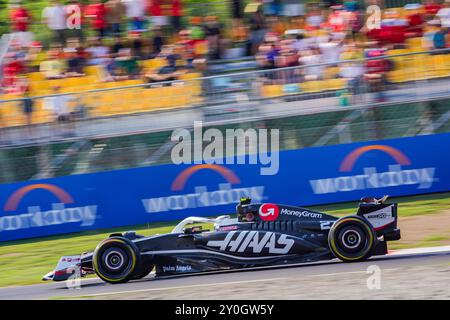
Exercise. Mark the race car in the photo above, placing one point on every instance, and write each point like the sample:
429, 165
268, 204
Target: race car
264, 234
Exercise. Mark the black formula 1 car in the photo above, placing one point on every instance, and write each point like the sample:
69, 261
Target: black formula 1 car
262, 235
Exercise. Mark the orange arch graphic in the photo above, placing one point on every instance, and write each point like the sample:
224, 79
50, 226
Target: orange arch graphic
180, 181
349, 161
17, 196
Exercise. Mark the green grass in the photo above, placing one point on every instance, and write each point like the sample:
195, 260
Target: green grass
26, 261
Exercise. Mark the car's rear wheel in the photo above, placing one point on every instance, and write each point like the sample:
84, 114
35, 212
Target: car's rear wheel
351, 239
115, 260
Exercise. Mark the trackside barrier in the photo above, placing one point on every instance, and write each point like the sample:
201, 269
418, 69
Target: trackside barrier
309, 176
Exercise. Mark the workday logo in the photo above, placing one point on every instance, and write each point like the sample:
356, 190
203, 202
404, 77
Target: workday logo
225, 193
371, 179
36, 217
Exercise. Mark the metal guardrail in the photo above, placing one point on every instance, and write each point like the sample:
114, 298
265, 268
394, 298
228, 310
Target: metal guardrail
344, 125
113, 110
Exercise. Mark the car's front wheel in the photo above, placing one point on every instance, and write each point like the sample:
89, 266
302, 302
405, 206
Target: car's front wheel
351, 239
115, 260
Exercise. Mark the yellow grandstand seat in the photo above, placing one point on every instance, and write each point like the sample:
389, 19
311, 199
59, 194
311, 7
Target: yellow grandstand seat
313, 86
91, 70
335, 84
415, 44
270, 91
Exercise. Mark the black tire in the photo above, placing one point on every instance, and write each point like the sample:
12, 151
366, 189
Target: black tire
116, 259
351, 239
142, 271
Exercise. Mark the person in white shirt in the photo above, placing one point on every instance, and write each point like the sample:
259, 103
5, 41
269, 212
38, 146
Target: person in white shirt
97, 51
54, 16
444, 14
331, 50
135, 10
310, 58
59, 106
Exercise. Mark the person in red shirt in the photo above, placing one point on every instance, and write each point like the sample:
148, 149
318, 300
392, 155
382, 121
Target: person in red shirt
20, 19
432, 7
12, 68
96, 12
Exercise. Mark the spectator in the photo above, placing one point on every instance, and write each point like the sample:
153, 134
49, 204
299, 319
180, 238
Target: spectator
432, 7
135, 10
20, 21
331, 48
176, 14
155, 11
157, 41
434, 37
314, 18
117, 46
352, 72
12, 68
75, 55
309, 58
116, 13
170, 72
108, 68
213, 38
96, 12
20, 18
439, 39
27, 108
415, 20
187, 46
126, 65
444, 14
257, 30
53, 67
300, 43
54, 16
59, 106
376, 72
34, 57
96, 51
137, 45
197, 32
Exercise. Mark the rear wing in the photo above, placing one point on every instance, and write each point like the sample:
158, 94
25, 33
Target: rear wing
383, 217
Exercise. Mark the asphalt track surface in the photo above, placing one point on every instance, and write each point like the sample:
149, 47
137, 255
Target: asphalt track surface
94, 287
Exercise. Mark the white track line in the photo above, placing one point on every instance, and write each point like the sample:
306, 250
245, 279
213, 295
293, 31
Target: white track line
226, 283
419, 250
180, 287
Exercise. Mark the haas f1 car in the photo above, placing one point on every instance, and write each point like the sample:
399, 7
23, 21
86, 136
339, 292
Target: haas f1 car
262, 235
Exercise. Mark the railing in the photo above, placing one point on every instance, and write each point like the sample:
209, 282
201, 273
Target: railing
346, 125
269, 93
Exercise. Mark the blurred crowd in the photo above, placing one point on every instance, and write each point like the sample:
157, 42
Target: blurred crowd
116, 35
326, 35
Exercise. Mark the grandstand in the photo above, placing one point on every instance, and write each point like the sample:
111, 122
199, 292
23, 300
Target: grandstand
124, 124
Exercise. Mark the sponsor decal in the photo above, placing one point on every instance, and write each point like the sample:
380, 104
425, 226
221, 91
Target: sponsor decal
380, 218
36, 217
225, 194
177, 268
304, 213
269, 212
228, 228
370, 178
253, 242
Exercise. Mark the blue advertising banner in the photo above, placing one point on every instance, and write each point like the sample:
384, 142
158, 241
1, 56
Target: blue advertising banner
308, 176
